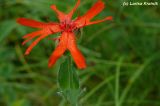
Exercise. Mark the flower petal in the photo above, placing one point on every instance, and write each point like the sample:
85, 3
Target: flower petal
61, 15
95, 10
99, 21
74, 9
31, 23
76, 54
60, 49
30, 36
35, 43
86, 19
36, 33
55, 27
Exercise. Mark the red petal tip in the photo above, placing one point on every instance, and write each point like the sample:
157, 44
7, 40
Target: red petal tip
82, 67
19, 20
109, 18
49, 65
53, 7
26, 53
24, 37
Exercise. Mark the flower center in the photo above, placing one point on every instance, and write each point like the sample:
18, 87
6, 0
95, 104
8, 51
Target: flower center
68, 26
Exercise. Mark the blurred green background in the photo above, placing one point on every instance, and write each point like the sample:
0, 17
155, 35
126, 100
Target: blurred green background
123, 56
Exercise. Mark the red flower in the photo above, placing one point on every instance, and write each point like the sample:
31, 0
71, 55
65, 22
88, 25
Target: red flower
66, 26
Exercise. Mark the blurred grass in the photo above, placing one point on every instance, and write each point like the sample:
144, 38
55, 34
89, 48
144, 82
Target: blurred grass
123, 56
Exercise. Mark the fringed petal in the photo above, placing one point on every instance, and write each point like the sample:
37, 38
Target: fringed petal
61, 15
60, 49
36, 33
76, 54
74, 9
99, 21
31, 23
86, 19
35, 43
95, 10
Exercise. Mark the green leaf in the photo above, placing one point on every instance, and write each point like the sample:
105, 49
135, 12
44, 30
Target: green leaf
69, 81
6, 27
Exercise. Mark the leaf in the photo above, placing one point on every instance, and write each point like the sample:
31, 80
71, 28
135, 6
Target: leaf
6, 27
68, 81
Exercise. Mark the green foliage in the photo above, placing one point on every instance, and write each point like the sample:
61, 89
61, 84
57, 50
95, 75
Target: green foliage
68, 81
123, 57
6, 27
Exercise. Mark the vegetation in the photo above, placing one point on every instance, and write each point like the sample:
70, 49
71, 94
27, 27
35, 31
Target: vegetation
123, 56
